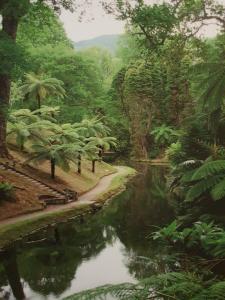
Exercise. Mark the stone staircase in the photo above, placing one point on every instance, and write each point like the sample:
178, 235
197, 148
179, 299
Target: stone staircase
48, 194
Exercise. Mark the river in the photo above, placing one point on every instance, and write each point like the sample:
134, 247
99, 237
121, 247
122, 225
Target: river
112, 246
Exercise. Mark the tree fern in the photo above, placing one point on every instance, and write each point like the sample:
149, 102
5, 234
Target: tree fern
202, 186
39, 87
209, 169
214, 292
174, 286
218, 191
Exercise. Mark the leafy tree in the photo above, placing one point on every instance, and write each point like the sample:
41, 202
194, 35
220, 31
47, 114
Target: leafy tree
56, 154
102, 144
95, 133
164, 135
39, 88
23, 132
26, 125
41, 26
48, 112
104, 61
12, 12
24, 115
91, 127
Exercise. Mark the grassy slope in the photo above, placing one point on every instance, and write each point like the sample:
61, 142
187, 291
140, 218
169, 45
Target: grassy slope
27, 199
80, 183
9, 233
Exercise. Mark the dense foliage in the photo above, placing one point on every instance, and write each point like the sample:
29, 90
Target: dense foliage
162, 95
171, 89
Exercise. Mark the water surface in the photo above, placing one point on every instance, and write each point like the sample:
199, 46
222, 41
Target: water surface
112, 246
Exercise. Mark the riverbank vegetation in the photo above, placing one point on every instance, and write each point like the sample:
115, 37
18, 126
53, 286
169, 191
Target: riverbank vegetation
171, 88
161, 95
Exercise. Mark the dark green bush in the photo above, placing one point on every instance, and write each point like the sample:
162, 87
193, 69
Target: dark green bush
6, 191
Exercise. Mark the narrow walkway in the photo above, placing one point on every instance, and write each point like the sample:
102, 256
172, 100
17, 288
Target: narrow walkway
86, 198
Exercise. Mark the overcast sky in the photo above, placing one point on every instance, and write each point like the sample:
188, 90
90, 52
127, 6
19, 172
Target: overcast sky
97, 23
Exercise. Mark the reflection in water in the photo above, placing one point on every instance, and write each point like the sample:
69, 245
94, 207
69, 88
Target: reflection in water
111, 247
10, 266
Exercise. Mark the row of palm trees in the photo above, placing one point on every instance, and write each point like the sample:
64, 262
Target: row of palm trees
43, 138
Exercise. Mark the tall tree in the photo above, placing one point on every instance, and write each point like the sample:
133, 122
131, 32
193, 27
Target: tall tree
39, 88
11, 12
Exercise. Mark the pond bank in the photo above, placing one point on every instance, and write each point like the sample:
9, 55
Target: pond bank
18, 227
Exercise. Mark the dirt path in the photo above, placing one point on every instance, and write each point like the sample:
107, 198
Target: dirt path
86, 198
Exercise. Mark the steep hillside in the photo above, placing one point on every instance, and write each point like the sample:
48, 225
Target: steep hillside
105, 41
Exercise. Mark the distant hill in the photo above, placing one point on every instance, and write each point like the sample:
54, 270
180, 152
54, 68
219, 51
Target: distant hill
104, 41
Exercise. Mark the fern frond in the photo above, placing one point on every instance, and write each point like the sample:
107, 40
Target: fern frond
218, 192
201, 187
209, 169
215, 292
122, 291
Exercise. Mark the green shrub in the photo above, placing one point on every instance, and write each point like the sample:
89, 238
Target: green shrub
164, 135
207, 237
175, 153
6, 191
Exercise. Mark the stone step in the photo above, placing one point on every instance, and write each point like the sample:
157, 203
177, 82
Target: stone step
59, 196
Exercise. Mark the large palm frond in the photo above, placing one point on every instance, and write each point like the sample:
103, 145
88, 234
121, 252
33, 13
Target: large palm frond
92, 127
39, 88
104, 143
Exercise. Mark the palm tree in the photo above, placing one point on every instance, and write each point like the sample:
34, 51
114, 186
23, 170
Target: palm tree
91, 127
65, 133
102, 144
26, 115
39, 88
57, 155
24, 131
79, 150
23, 115
21, 131
48, 112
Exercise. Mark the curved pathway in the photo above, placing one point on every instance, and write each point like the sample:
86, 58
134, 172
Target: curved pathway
86, 198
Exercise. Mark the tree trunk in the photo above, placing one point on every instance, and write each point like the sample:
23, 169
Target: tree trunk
93, 165
12, 272
175, 110
53, 168
4, 102
100, 152
9, 27
79, 164
38, 101
57, 236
